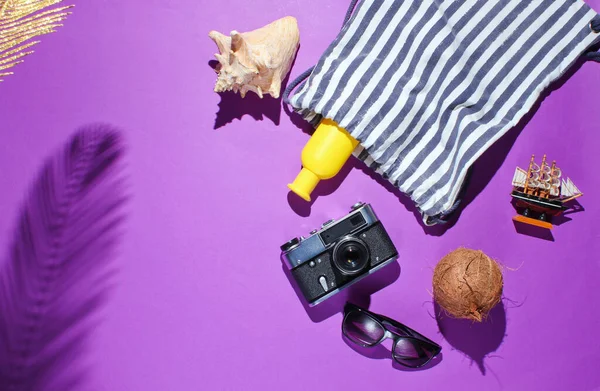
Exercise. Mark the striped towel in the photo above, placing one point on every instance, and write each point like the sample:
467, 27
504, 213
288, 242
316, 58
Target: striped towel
428, 86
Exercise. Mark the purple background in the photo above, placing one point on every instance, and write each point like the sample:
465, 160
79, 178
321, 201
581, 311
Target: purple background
201, 301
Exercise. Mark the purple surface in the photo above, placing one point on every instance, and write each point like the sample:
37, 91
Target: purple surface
201, 301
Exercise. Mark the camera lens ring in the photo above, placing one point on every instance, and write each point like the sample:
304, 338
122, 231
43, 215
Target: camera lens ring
362, 252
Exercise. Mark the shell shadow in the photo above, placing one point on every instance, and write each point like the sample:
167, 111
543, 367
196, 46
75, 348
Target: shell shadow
475, 340
233, 106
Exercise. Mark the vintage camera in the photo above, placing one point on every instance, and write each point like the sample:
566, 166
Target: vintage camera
339, 254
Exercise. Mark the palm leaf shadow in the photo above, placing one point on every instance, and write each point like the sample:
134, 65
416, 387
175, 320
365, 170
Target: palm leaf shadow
59, 267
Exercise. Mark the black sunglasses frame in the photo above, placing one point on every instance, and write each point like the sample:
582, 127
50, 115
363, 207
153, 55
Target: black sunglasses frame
410, 334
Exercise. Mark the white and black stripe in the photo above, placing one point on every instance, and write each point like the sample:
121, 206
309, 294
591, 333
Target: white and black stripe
427, 87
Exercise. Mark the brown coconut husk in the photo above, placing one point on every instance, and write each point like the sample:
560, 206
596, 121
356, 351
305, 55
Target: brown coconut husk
467, 284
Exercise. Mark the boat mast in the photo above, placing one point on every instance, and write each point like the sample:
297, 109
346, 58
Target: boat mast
526, 187
552, 169
542, 191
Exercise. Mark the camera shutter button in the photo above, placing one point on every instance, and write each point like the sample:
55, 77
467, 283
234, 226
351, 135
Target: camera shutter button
357, 205
323, 282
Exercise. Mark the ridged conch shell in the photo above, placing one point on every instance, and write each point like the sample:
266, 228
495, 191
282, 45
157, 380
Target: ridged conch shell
257, 60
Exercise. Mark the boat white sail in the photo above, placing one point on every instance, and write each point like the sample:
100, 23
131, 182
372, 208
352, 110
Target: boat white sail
519, 178
568, 189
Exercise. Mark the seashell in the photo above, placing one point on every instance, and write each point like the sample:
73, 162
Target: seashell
257, 60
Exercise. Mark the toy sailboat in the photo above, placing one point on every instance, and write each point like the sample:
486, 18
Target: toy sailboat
541, 192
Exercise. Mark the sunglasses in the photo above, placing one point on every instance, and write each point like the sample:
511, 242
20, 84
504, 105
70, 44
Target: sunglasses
368, 329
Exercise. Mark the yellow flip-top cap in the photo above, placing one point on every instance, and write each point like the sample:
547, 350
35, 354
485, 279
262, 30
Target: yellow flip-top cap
304, 183
322, 157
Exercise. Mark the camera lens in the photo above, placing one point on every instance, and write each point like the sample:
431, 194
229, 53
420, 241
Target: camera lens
351, 256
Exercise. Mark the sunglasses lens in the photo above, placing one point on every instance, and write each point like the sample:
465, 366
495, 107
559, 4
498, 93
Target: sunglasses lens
413, 353
362, 329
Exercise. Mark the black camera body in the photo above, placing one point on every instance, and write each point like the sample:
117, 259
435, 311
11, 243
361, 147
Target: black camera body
340, 254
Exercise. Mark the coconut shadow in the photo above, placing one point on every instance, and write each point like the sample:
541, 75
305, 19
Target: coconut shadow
475, 340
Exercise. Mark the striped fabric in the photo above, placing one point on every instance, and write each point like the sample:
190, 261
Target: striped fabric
428, 86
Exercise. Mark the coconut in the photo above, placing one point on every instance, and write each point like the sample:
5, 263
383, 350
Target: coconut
467, 284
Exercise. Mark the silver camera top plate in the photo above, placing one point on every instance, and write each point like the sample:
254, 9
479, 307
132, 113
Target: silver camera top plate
305, 249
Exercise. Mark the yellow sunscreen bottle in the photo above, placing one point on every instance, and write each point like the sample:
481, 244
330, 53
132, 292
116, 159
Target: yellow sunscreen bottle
323, 157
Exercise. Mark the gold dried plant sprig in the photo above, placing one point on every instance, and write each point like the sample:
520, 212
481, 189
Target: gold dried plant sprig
20, 22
